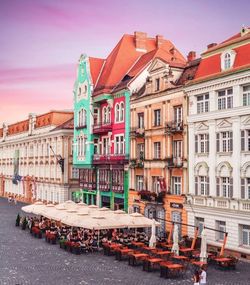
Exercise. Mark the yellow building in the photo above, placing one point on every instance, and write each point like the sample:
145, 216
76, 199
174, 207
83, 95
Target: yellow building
158, 159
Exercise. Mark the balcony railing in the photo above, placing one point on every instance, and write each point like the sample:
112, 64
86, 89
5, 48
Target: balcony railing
83, 126
117, 188
152, 196
174, 127
110, 159
104, 186
88, 185
137, 132
137, 163
174, 162
102, 127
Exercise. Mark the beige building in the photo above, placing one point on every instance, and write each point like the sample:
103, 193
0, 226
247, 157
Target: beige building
36, 158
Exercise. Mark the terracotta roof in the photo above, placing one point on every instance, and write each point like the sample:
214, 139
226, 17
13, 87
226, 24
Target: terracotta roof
95, 67
68, 125
212, 64
126, 59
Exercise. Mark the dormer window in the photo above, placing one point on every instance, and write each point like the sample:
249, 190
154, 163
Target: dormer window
227, 59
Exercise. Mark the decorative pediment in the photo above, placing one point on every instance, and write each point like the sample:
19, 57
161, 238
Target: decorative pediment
202, 127
246, 121
157, 65
224, 124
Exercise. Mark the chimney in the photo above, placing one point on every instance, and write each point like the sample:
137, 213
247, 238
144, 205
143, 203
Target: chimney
211, 45
191, 56
140, 41
159, 40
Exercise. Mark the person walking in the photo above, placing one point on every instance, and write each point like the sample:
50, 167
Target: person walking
196, 278
203, 276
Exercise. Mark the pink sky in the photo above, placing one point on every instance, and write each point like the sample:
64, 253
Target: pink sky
42, 40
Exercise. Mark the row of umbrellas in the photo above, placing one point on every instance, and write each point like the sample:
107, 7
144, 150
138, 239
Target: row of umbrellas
94, 218
89, 217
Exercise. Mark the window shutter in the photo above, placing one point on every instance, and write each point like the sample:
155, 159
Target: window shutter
242, 140
231, 141
218, 142
231, 187
242, 188
207, 146
196, 143
207, 188
196, 185
217, 186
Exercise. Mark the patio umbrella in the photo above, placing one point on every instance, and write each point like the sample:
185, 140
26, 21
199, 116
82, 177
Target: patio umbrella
35, 208
152, 241
203, 254
175, 247
67, 205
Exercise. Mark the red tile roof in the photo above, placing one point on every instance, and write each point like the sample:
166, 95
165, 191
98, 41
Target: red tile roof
95, 67
126, 59
211, 64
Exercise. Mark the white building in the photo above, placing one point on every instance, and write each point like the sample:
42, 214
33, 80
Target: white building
29, 158
219, 143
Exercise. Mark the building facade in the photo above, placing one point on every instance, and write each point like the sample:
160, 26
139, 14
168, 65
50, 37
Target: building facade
158, 158
36, 158
107, 135
219, 143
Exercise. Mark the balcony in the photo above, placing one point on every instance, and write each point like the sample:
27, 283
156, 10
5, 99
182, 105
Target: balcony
110, 159
104, 186
152, 196
102, 128
137, 132
174, 127
136, 163
118, 189
175, 162
88, 185
84, 126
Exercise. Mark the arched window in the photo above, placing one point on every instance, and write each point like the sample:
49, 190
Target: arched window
121, 112
117, 112
84, 119
227, 61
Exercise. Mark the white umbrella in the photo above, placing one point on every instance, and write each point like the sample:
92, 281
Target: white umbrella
67, 205
203, 254
35, 208
152, 241
175, 247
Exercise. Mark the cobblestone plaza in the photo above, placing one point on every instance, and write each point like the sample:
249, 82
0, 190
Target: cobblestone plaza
27, 260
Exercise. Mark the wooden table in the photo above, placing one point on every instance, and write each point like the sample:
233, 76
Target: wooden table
148, 263
122, 252
170, 269
180, 258
226, 262
134, 257
199, 263
137, 243
163, 252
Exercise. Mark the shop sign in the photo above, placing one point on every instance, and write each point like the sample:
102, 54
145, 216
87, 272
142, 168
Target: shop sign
176, 205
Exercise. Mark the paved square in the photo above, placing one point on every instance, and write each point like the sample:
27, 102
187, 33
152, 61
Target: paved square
27, 260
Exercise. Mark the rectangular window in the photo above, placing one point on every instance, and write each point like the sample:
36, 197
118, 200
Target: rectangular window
225, 186
177, 149
156, 184
176, 185
199, 222
246, 235
203, 103
140, 120
75, 173
157, 150
224, 142
202, 143
220, 226
157, 84
246, 95
139, 182
157, 117
178, 114
245, 140
105, 146
119, 144
225, 99
140, 151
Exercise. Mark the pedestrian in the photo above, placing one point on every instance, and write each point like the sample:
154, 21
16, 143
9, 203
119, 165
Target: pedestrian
196, 278
203, 276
